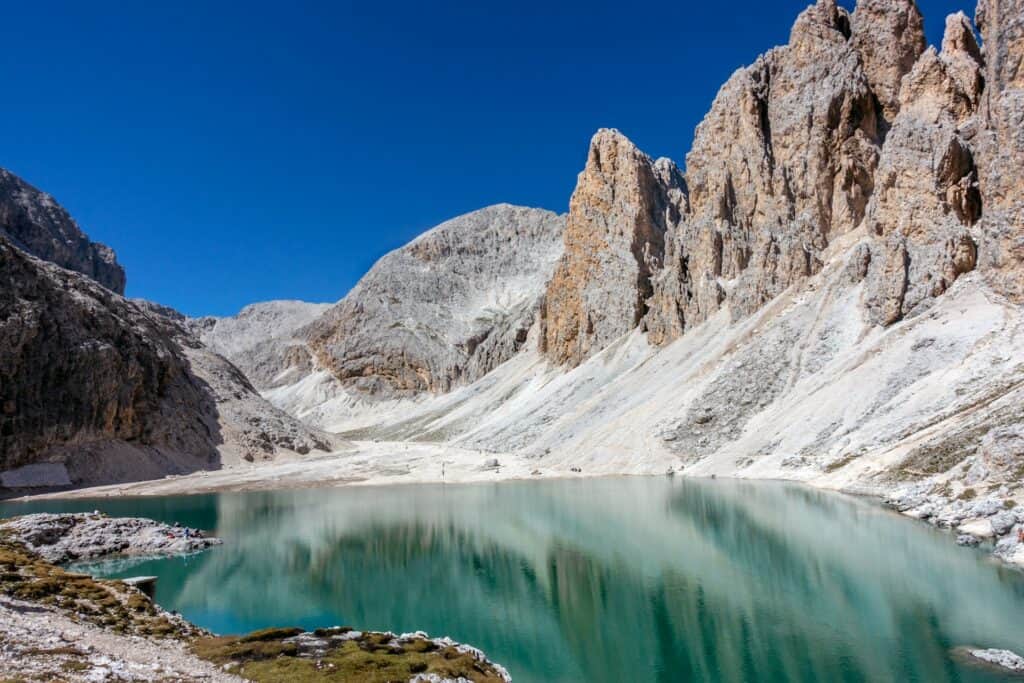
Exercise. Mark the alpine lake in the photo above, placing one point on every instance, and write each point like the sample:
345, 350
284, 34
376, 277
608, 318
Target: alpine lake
613, 579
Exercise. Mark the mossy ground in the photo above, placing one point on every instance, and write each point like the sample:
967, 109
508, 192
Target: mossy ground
276, 654
332, 656
111, 604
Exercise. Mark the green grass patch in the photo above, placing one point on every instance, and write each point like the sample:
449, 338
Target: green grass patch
369, 658
111, 604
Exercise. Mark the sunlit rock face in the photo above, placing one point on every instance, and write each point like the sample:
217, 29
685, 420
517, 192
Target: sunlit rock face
782, 165
889, 36
1000, 145
926, 197
36, 223
446, 308
614, 242
263, 340
852, 126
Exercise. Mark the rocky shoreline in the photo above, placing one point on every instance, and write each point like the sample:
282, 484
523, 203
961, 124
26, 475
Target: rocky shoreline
976, 519
63, 538
60, 625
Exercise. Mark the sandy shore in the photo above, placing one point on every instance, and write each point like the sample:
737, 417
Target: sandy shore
367, 464
376, 463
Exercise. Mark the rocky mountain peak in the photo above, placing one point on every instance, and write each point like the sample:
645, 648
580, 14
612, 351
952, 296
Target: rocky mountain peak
889, 36
39, 225
959, 37
824, 20
853, 122
614, 242
446, 308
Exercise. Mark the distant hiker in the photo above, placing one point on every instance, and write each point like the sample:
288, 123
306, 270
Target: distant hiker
1020, 535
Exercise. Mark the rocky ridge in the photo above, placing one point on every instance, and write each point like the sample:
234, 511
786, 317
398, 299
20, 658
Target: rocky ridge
853, 125
105, 389
263, 340
444, 310
36, 223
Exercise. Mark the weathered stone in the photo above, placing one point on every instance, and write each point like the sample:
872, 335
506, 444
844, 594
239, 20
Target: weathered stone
40, 226
1000, 148
926, 188
614, 243
113, 388
263, 340
889, 36
445, 309
61, 538
782, 164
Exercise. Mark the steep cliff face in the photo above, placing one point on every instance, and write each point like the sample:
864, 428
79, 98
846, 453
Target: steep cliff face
113, 390
445, 309
785, 162
889, 36
614, 242
40, 226
926, 196
853, 125
1000, 147
263, 340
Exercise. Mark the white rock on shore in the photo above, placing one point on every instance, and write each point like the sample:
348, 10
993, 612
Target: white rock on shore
40, 643
1004, 659
61, 538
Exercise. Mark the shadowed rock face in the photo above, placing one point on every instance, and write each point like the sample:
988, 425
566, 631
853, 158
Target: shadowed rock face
116, 390
79, 363
445, 309
40, 226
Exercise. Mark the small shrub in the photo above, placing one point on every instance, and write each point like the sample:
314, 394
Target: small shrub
270, 634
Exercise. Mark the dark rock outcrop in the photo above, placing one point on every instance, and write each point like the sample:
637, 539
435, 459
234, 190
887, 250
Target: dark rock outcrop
40, 226
115, 390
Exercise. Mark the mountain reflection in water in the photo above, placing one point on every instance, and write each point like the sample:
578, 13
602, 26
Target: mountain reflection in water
624, 579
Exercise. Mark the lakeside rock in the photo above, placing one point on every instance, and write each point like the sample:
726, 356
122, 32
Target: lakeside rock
59, 625
344, 654
1000, 659
35, 222
63, 538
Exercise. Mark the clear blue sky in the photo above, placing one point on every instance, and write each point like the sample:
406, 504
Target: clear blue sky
234, 152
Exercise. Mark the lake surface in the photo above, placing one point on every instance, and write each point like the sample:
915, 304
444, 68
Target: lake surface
625, 579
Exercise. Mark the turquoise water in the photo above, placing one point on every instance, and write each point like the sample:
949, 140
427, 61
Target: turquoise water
626, 579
